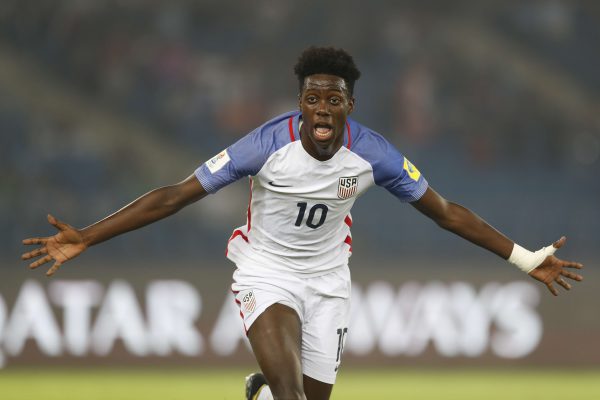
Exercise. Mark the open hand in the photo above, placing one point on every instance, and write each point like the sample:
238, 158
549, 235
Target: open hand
67, 244
553, 269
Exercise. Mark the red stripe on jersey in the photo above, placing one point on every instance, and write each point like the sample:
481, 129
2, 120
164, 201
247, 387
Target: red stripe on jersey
249, 212
348, 241
291, 126
235, 234
244, 323
348, 221
241, 314
349, 135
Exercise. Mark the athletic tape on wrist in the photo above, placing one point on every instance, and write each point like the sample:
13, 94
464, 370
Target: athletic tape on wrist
527, 260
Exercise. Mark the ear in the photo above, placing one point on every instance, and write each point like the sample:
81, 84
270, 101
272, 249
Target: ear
351, 105
300, 101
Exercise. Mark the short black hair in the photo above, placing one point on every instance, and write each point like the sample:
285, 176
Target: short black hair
327, 60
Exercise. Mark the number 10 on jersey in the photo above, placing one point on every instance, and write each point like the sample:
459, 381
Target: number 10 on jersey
310, 221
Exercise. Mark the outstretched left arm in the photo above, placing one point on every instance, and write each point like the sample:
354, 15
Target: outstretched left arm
465, 223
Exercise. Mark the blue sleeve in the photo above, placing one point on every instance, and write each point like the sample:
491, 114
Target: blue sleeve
246, 156
243, 158
391, 169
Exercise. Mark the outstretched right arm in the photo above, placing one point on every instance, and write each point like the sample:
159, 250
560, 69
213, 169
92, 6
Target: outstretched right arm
153, 206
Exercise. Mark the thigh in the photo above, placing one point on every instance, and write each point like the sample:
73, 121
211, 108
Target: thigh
316, 390
276, 337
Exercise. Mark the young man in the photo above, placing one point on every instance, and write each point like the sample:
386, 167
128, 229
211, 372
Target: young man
292, 281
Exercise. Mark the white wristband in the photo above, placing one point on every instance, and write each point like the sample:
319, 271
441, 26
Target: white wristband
527, 260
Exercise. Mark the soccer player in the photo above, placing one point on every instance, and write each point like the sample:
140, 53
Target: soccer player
292, 281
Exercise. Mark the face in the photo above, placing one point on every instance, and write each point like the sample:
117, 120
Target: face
325, 103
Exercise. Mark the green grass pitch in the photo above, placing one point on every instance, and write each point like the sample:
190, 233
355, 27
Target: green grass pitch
200, 384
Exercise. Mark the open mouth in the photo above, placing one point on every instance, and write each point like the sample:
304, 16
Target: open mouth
323, 131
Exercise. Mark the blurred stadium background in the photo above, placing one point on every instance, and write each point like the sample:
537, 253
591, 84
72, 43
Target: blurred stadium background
497, 103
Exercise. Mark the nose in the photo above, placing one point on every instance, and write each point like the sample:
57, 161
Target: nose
323, 107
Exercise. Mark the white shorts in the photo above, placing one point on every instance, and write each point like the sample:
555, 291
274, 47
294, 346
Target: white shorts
321, 302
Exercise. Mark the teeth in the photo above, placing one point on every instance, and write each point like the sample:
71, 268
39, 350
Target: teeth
322, 130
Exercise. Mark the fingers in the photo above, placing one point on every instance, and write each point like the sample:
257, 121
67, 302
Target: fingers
563, 283
51, 219
559, 243
570, 264
39, 262
42, 240
35, 240
61, 226
552, 289
53, 269
571, 275
34, 253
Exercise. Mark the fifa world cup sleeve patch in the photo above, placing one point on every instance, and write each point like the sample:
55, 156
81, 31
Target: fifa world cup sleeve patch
218, 161
411, 170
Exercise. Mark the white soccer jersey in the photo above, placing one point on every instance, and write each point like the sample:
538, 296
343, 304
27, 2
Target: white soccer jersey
299, 213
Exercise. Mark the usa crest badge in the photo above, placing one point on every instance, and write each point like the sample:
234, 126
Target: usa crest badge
248, 302
347, 187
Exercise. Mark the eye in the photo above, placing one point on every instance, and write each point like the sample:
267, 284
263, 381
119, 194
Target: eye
311, 99
335, 100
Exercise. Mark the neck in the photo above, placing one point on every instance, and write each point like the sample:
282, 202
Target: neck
317, 151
